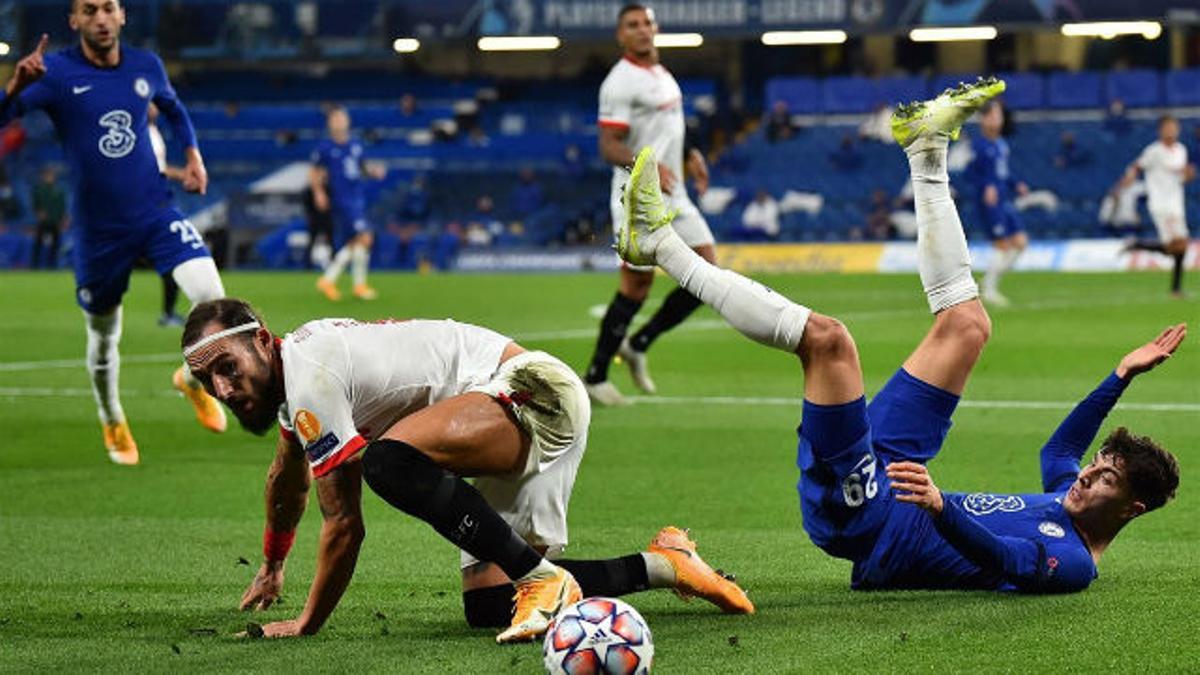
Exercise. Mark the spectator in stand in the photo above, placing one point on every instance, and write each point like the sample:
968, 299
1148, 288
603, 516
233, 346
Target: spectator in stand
879, 217
779, 123
878, 125
408, 107
526, 197
1119, 210
478, 138
760, 220
485, 218
50, 212
1116, 122
10, 205
847, 157
12, 139
414, 209
1070, 155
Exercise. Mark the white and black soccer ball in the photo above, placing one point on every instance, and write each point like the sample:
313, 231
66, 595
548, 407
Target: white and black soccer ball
598, 635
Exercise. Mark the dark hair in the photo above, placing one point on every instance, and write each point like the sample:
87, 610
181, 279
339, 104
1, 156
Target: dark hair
1167, 118
1152, 472
987, 106
225, 312
631, 7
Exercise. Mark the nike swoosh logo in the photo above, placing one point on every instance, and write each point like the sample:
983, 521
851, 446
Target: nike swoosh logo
81, 90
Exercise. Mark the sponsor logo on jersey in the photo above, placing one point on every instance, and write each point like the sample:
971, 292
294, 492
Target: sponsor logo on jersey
1051, 529
142, 87
982, 504
321, 448
307, 426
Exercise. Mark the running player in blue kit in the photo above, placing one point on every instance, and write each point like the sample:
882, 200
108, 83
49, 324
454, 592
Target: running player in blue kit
97, 95
865, 492
338, 182
991, 170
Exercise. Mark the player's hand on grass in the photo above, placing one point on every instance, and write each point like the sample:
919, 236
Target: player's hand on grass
29, 69
275, 629
1152, 353
195, 176
913, 485
666, 179
698, 170
265, 589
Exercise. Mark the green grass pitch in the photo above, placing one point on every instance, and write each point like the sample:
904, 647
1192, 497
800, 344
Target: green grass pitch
108, 568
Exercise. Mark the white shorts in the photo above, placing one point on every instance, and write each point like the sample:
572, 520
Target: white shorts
549, 402
1171, 224
690, 224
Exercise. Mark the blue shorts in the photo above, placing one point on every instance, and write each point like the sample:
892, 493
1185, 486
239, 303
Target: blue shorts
845, 495
1002, 220
105, 258
348, 223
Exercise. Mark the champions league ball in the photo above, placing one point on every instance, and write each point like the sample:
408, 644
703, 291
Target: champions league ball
598, 635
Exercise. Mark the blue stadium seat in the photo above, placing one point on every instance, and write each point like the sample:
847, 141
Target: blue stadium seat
1074, 90
1183, 87
1137, 88
896, 90
847, 94
1024, 91
802, 94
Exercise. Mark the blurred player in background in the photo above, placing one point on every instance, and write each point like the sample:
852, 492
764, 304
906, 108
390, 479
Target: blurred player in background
1164, 163
865, 492
997, 187
412, 407
642, 105
338, 184
97, 94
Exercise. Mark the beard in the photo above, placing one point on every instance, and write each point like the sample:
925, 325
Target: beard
263, 416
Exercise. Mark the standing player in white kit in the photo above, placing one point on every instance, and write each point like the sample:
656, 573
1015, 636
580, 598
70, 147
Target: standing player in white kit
1165, 165
642, 105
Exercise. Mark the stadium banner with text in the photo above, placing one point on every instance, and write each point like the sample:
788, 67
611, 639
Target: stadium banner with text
596, 18
1080, 255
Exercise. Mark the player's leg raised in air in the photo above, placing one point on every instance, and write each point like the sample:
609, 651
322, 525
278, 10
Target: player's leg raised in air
840, 514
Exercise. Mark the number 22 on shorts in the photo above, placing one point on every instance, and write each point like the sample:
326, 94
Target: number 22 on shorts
860, 485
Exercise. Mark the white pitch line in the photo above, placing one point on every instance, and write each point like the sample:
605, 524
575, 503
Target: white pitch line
72, 392
589, 333
984, 404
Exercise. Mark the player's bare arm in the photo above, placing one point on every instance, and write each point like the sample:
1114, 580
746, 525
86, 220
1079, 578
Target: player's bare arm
195, 176
316, 183
340, 495
29, 69
697, 168
615, 151
1153, 353
288, 481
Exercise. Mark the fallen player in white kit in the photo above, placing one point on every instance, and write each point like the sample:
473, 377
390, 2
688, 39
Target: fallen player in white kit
413, 407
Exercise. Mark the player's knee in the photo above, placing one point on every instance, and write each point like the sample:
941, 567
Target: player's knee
968, 323
825, 338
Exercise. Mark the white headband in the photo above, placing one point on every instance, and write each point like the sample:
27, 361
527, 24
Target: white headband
209, 339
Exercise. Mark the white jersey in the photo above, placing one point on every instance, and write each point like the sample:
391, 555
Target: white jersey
347, 382
648, 102
1164, 168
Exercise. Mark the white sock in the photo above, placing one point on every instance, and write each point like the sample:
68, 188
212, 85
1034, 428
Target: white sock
544, 569
943, 260
360, 260
1001, 262
104, 363
339, 263
754, 310
659, 571
200, 282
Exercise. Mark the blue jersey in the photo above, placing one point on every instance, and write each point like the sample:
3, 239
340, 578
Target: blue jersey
990, 167
1023, 542
100, 115
343, 164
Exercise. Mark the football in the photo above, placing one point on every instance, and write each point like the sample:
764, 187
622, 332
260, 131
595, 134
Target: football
598, 635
